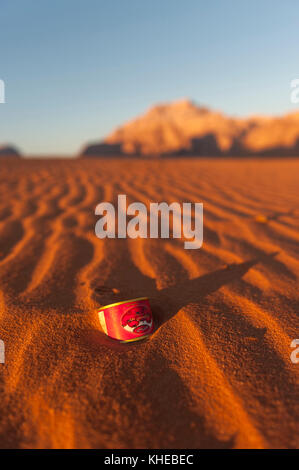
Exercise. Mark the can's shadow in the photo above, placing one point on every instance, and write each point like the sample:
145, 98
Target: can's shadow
167, 302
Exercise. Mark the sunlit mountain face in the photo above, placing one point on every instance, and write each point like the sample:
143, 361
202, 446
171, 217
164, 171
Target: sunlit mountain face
183, 127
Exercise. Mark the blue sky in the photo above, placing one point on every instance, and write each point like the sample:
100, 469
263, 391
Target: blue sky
76, 69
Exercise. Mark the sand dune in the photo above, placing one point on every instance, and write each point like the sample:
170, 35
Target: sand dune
215, 374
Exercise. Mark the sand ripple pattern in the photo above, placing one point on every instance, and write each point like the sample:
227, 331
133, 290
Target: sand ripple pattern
215, 374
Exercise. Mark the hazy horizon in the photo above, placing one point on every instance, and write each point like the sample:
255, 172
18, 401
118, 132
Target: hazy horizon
75, 71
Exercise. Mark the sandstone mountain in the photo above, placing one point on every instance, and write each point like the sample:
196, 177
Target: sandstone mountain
183, 128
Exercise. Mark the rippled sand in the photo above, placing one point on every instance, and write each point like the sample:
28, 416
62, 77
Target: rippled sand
217, 371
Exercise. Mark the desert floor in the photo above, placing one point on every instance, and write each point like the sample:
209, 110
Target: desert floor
217, 371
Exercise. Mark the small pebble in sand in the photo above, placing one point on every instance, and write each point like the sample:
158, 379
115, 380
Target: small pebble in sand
261, 219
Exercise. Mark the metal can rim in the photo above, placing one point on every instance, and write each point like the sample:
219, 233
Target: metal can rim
122, 302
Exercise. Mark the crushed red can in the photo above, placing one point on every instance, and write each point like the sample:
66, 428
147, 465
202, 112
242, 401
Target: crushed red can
129, 320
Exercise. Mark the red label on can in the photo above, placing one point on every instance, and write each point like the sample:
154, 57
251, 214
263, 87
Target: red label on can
127, 320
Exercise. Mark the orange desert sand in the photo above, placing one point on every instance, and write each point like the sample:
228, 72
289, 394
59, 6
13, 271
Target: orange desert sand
217, 371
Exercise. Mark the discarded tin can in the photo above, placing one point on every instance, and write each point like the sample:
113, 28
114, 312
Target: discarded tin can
129, 320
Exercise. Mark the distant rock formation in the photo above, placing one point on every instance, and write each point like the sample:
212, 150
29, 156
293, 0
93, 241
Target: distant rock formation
101, 149
184, 128
9, 151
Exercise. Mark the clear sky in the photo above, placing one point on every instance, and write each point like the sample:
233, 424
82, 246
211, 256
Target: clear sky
76, 69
